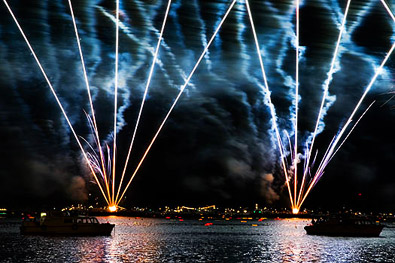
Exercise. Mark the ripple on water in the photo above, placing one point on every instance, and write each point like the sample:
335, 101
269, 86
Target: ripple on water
159, 240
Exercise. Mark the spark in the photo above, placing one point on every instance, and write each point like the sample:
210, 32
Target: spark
271, 106
177, 98
94, 123
296, 103
56, 98
115, 100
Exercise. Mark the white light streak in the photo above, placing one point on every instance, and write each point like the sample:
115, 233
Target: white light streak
295, 162
114, 150
90, 99
272, 110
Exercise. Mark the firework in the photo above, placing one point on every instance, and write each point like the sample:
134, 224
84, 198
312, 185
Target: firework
101, 158
291, 173
332, 148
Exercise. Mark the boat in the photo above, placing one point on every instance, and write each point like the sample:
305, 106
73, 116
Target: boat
62, 223
344, 226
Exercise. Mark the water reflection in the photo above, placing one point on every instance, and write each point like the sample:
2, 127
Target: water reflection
161, 240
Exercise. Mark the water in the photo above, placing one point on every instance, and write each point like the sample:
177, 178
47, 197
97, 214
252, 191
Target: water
161, 240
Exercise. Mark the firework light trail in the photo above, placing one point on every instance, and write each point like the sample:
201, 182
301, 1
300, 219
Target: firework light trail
388, 10
295, 160
101, 168
114, 150
271, 106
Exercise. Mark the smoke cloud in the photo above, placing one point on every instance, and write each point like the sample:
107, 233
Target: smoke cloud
218, 144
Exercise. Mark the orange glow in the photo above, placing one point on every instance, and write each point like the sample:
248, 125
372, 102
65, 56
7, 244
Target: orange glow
112, 208
295, 211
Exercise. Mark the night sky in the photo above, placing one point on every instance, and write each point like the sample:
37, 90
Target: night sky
217, 146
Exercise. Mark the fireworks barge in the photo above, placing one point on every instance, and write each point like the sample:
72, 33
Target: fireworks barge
64, 224
347, 227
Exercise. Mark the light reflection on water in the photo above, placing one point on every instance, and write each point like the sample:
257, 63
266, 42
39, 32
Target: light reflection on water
160, 240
